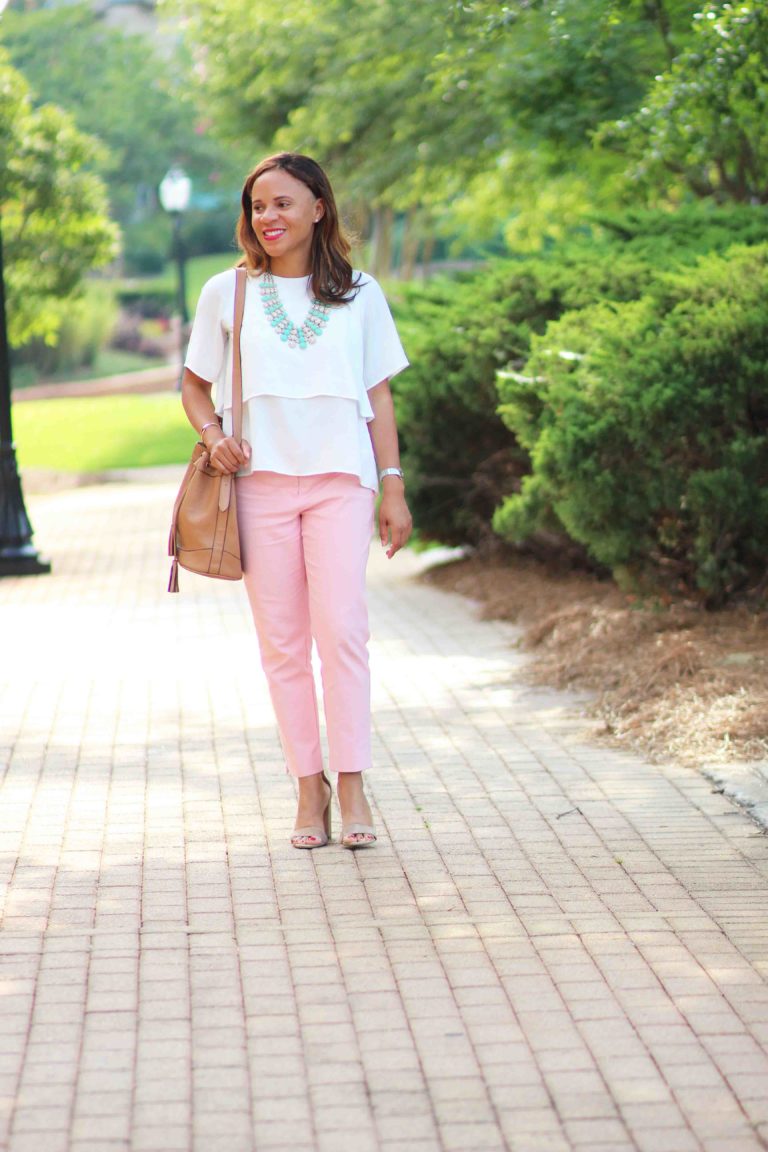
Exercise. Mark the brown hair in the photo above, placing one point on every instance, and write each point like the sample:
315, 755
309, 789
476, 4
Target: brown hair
332, 277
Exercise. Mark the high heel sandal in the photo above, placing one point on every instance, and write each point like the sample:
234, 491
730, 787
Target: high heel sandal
356, 835
357, 830
318, 837
350, 830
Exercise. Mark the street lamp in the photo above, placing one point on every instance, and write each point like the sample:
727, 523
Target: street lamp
175, 190
17, 554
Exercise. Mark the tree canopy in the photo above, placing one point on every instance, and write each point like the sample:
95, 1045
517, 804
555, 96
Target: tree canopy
54, 208
118, 87
702, 126
409, 101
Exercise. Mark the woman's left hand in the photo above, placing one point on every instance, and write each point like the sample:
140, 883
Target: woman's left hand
394, 518
395, 521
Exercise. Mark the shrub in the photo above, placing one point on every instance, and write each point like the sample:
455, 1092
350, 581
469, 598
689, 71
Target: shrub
153, 302
460, 458
210, 232
87, 324
690, 231
446, 411
147, 245
647, 428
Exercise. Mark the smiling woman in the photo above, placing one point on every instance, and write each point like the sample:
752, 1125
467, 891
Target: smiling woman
289, 224
284, 213
318, 348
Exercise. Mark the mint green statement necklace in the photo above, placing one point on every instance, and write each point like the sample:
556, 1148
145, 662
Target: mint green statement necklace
308, 332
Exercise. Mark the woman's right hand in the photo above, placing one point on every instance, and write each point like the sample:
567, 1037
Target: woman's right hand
227, 456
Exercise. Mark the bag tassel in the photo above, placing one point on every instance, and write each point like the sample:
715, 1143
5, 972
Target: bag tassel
173, 582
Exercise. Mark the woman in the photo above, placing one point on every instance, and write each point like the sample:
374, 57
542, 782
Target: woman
319, 435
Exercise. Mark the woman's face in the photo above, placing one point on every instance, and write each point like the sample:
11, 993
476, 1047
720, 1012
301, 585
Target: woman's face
284, 212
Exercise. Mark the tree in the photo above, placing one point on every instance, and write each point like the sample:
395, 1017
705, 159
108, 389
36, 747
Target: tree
118, 88
54, 209
326, 77
702, 125
412, 101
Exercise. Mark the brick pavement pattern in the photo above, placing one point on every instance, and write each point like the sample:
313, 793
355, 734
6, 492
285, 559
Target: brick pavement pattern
554, 946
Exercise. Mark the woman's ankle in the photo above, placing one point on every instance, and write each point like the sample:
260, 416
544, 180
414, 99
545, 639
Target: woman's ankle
314, 785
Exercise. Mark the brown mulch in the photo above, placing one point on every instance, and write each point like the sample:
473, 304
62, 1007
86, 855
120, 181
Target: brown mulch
669, 680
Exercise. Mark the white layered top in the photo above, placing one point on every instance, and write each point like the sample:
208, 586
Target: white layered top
305, 411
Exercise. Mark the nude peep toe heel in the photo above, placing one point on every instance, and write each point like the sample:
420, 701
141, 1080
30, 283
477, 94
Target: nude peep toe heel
312, 837
349, 831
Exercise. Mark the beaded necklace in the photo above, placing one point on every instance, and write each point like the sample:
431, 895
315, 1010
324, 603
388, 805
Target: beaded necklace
295, 337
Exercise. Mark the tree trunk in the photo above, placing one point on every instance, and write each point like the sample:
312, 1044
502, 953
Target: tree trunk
426, 256
382, 242
410, 249
657, 13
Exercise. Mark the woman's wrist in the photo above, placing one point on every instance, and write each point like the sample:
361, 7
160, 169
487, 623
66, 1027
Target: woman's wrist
206, 429
391, 473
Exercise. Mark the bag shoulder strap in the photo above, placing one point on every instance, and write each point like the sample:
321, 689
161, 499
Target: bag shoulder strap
241, 275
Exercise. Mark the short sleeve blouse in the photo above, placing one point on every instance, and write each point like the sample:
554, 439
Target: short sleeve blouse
305, 411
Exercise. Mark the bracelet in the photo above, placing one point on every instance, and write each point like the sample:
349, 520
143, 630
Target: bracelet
391, 472
210, 424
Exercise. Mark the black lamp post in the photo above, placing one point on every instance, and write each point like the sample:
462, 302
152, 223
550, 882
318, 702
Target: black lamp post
175, 191
17, 554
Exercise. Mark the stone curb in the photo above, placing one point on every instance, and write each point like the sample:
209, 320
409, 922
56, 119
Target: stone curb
159, 379
746, 783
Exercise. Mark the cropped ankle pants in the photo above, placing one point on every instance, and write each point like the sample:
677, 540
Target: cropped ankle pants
304, 543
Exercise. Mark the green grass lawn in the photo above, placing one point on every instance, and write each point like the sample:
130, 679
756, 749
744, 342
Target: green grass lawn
91, 434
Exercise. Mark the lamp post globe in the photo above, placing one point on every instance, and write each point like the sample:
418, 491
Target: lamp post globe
175, 190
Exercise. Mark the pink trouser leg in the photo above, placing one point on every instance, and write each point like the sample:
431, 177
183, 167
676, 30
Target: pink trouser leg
337, 538
305, 545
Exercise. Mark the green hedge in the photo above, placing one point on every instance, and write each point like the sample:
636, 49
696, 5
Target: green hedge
460, 458
647, 428
463, 459
150, 301
148, 244
690, 231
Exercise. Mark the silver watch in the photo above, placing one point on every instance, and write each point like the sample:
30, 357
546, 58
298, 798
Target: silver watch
391, 472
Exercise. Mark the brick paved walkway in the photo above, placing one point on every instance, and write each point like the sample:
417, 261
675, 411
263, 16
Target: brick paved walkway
554, 946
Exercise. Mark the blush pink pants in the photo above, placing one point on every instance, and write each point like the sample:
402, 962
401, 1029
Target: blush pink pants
304, 543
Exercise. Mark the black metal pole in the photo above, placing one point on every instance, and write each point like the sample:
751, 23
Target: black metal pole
178, 248
180, 264
17, 554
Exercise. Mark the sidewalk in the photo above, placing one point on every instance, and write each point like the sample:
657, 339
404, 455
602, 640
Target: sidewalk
553, 947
